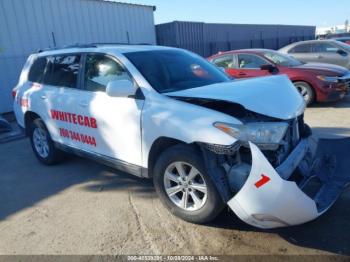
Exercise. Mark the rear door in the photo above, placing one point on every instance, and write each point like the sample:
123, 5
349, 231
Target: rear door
248, 65
303, 52
59, 95
226, 62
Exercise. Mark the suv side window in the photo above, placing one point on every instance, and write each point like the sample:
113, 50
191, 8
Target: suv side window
36, 72
303, 48
62, 71
100, 70
250, 61
225, 61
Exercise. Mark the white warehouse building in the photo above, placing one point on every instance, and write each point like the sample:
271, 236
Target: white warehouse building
29, 25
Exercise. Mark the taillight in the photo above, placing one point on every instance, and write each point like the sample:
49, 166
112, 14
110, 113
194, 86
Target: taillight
348, 42
14, 92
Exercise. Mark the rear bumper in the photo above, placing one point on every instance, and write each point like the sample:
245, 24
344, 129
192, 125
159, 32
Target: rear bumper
269, 200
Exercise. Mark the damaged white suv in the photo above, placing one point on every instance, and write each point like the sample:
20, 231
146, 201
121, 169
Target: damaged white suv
170, 115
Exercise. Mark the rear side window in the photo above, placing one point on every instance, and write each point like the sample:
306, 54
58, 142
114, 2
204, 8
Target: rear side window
303, 48
246, 61
36, 73
225, 61
62, 71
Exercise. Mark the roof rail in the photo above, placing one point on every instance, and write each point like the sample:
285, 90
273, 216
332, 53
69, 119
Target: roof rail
68, 46
111, 43
91, 45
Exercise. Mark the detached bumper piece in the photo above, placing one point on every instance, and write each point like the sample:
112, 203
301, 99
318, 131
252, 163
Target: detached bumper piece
273, 198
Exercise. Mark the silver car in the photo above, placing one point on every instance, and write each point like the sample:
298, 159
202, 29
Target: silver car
323, 51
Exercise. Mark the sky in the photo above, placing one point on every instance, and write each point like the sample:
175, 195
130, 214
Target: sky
294, 12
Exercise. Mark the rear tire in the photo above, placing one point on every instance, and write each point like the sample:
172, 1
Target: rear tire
197, 199
306, 91
42, 144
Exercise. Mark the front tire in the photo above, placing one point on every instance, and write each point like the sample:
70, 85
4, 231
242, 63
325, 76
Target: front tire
42, 144
184, 185
306, 91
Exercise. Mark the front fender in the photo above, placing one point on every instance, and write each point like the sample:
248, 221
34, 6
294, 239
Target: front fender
167, 117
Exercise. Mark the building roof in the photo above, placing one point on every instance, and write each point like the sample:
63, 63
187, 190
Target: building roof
126, 3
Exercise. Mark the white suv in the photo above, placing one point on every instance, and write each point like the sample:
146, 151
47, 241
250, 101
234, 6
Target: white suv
168, 114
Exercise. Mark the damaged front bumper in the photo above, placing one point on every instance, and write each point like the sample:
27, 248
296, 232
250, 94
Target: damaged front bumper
278, 197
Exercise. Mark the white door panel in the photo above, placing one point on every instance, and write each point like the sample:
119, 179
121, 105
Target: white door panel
118, 131
60, 107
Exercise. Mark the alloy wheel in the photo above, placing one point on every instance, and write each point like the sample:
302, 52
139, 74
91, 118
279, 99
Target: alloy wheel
304, 91
40, 142
185, 186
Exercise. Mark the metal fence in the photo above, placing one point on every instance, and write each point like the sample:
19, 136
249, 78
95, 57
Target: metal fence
207, 39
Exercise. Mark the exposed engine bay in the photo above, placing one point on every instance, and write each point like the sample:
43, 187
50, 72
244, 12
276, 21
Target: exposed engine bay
297, 129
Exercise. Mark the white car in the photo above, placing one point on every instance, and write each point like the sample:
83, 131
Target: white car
168, 114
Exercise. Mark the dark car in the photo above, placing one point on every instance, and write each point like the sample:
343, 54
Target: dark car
315, 81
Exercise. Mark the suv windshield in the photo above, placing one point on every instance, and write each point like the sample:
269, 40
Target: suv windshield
175, 70
281, 59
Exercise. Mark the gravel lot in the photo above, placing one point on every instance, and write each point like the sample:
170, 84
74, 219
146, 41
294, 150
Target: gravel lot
80, 207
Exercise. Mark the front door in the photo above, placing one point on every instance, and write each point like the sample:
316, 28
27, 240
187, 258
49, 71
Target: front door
113, 123
329, 53
248, 65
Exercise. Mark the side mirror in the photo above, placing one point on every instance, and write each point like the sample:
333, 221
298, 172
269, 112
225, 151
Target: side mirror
342, 52
271, 68
120, 88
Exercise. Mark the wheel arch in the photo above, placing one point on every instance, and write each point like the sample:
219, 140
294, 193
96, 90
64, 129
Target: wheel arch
29, 117
159, 146
309, 83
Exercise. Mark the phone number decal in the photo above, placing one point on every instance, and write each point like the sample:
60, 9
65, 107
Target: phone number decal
85, 139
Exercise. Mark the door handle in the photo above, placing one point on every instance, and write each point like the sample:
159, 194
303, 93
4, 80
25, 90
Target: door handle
242, 74
43, 97
83, 103
319, 56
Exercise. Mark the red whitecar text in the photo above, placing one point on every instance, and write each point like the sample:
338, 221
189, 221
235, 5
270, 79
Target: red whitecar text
74, 118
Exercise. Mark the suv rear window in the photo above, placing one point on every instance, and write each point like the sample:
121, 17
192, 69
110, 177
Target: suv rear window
62, 71
36, 72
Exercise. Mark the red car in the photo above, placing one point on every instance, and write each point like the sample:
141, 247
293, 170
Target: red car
315, 81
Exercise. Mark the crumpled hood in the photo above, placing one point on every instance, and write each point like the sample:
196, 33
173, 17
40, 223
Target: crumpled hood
334, 69
273, 96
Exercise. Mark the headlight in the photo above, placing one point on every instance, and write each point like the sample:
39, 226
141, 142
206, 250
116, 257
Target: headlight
266, 135
330, 79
